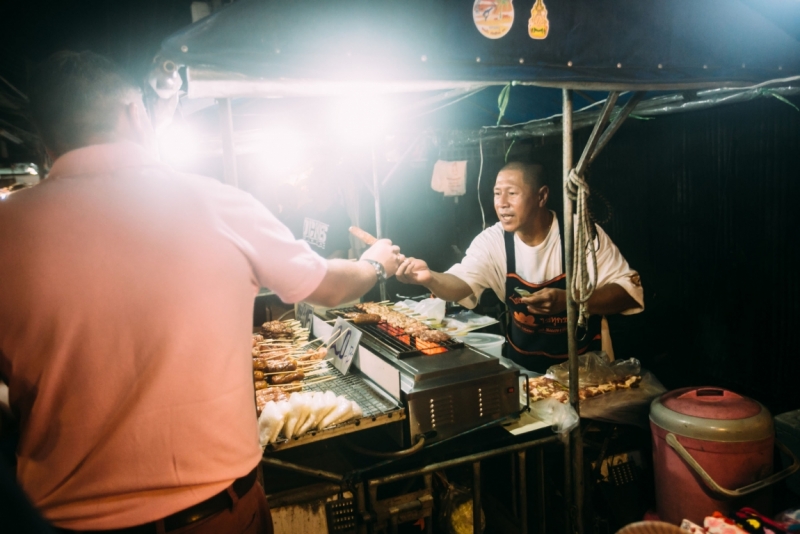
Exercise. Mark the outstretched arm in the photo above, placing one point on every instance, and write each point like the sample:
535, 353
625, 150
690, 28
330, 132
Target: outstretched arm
444, 285
347, 280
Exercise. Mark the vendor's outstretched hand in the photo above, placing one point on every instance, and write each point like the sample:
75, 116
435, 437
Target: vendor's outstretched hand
414, 271
547, 301
386, 254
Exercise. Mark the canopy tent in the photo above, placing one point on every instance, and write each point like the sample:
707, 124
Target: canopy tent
271, 48
265, 48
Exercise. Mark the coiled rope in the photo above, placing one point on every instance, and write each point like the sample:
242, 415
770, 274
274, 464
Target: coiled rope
584, 282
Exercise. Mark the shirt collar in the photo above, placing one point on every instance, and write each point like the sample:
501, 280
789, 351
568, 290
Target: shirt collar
105, 158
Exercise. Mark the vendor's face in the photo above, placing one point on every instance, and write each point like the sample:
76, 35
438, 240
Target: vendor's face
515, 201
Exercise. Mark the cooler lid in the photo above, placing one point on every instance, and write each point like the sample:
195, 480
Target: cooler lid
710, 403
712, 414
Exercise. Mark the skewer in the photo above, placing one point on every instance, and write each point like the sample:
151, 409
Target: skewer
280, 373
319, 380
292, 386
331, 342
315, 373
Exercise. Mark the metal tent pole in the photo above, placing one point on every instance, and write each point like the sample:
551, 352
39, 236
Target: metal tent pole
228, 149
376, 186
575, 489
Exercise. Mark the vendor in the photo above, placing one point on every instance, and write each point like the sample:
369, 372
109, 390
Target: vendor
319, 216
522, 253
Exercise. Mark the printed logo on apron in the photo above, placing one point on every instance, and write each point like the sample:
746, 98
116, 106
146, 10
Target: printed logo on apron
538, 341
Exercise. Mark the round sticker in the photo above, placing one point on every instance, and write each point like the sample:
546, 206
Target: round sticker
493, 18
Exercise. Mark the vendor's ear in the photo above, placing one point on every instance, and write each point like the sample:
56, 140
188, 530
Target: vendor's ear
543, 195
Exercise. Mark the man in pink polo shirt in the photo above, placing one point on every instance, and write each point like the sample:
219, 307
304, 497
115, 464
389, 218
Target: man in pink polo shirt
125, 319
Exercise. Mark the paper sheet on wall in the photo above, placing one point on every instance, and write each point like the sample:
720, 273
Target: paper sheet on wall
450, 178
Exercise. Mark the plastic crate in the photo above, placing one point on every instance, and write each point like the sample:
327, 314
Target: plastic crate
787, 430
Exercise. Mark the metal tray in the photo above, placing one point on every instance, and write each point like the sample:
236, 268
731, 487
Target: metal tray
379, 408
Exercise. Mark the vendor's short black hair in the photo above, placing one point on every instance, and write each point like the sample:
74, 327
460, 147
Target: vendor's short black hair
76, 96
532, 173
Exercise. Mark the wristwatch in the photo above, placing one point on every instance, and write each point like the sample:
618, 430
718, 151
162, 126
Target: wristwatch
379, 270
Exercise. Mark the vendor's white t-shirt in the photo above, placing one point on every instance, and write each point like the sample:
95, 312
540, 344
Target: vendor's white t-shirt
484, 266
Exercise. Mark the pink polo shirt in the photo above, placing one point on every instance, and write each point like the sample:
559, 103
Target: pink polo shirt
126, 300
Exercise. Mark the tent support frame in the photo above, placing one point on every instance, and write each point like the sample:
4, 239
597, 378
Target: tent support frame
228, 148
573, 472
600, 136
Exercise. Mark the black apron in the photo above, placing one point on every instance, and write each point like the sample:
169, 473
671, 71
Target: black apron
538, 341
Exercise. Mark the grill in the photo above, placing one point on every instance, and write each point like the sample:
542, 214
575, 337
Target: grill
379, 408
401, 344
354, 388
447, 387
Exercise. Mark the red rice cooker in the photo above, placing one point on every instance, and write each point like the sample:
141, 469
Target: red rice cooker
712, 450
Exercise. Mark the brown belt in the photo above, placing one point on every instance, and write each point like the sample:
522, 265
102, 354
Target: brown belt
207, 508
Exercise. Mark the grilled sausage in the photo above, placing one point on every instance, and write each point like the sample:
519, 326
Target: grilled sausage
286, 378
367, 318
274, 365
366, 237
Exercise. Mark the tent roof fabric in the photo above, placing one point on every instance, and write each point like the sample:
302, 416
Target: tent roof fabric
602, 44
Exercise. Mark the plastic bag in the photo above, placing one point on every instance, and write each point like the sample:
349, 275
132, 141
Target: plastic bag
455, 511
594, 368
431, 308
626, 406
561, 417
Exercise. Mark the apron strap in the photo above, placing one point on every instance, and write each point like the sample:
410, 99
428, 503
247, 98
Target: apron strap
511, 255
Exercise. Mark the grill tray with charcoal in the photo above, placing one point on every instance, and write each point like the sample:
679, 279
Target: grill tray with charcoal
447, 387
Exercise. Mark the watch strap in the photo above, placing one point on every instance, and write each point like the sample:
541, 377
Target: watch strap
379, 270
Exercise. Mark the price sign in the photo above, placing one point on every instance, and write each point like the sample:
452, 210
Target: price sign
342, 344
305, 314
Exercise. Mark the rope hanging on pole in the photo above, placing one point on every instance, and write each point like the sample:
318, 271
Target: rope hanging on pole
584, 281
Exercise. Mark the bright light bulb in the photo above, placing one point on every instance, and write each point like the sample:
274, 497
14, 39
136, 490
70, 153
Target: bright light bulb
283, 150
359, 121
178, 144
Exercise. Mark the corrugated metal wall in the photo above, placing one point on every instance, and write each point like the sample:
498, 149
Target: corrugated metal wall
706, 206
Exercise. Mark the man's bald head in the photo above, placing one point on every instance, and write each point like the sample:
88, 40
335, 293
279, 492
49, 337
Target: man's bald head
532, 173
76, 99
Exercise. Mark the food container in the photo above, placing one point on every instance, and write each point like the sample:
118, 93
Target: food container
712, 450
489, 343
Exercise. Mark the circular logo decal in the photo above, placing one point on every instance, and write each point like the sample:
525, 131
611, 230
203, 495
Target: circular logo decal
493, 18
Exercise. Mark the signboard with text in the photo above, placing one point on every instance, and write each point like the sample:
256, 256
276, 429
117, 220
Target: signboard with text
305, 314
342, 344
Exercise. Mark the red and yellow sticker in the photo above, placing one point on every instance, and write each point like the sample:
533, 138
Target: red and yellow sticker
493, 18
538, 25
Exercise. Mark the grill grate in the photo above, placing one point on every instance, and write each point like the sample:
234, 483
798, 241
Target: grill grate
400, 344
354, 388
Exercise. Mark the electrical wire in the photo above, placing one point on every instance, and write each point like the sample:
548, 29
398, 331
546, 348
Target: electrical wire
480, 173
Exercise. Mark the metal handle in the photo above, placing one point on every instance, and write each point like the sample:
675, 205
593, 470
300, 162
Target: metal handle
527, 395
673, 442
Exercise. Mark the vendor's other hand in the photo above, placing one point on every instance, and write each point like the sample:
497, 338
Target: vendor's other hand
546, 301
414, 271
386, 254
